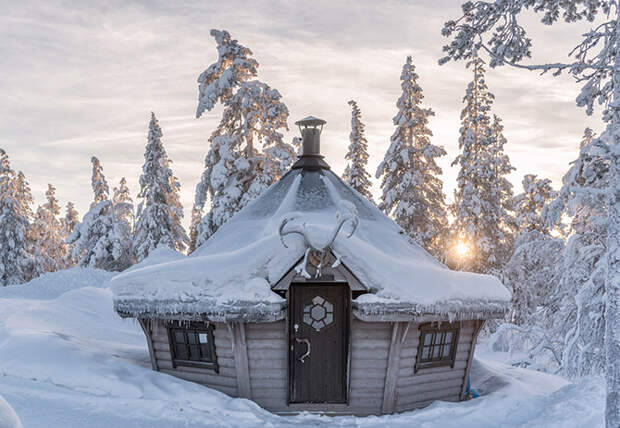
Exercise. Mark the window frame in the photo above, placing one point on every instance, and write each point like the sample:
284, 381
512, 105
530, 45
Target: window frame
435, 329
195, 328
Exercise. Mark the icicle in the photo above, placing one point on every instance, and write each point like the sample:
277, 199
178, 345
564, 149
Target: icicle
338, 259
301, 267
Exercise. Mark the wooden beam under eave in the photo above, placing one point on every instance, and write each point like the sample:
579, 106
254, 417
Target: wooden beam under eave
391, 376
148, 332
240, 351
472, 348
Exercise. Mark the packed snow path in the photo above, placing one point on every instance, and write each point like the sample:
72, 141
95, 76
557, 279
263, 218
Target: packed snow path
67, 360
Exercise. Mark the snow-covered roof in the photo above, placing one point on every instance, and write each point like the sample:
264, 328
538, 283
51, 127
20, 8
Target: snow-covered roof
233, 272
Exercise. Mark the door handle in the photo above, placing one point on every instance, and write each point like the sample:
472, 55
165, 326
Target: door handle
308, 349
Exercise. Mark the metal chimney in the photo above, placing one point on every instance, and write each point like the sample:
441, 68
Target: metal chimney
310, 128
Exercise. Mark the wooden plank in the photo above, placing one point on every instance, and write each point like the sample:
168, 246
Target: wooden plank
240, 350
369, 373
367, 363
266, 363
458, 365
477, 327
364, 325
422, 388
146, 328
371, 344
163, 355
224, 371
408, 378
203, 378
228, 390
391, 376
274, 345
279, 373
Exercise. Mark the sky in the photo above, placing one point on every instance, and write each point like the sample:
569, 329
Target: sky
79, 79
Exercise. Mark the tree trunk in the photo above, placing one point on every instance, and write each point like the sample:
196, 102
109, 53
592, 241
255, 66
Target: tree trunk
612, 280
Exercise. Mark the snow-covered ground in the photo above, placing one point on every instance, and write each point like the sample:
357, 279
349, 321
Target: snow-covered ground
67, 360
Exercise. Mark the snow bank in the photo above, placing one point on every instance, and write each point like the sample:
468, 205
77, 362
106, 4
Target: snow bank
69, 361
8, 417
247, 252
54, 284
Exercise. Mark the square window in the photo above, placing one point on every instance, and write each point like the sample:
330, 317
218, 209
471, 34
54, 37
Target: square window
192, 345
437, 345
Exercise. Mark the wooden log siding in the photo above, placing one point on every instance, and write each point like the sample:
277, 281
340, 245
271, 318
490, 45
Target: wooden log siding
225, 381
372, 351
415, 390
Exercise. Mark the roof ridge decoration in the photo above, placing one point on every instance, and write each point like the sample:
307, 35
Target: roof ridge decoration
314, 249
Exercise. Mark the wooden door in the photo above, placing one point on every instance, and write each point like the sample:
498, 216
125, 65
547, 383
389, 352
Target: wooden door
318, 343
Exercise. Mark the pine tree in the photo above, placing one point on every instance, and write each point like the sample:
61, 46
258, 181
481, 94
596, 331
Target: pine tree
13, 225
160, 212
411, 188
247, 151
193, 229
49, 246
483, 194
24, 195
68, 224
494, 27
531, 273
579, 312
123, 225
355, 173
96, 244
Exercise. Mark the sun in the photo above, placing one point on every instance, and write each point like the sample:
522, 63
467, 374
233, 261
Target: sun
462, 249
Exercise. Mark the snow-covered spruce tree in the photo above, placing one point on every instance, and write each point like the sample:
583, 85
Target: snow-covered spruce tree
193, 228
483, 193
494, 27
411, 188
531, 273
123, 224
247, 151
355, 173
96, 244
160, 212
14, 257
578, 313
67, 225
49, 245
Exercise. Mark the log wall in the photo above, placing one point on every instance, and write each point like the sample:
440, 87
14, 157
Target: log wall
371, 345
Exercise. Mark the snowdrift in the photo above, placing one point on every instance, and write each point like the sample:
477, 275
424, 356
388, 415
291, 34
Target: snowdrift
68, 360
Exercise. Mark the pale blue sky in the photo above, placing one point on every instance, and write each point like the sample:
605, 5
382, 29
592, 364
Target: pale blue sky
80, 79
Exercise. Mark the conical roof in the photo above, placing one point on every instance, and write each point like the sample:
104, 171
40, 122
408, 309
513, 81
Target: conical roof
233, 272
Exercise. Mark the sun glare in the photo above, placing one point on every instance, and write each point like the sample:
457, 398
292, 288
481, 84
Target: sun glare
462, 249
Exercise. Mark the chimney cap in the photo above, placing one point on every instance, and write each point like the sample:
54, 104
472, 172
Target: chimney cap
310, 121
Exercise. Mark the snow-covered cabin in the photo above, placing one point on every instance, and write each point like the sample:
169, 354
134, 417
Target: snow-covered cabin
311, 299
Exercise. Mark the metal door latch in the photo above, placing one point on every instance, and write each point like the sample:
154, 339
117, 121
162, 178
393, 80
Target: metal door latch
308, 349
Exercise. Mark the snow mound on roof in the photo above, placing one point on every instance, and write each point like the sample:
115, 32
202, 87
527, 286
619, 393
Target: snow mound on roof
247, 252
161, 254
